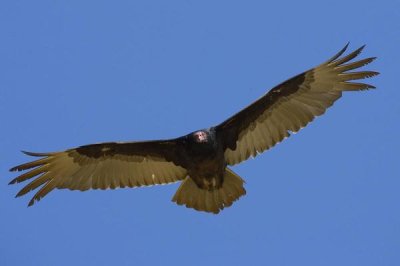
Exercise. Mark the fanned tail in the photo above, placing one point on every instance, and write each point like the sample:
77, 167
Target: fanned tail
190, 195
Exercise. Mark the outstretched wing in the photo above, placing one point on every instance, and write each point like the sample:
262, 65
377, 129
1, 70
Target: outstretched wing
103, 166
290, 106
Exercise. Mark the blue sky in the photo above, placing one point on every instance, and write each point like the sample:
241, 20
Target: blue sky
80, 72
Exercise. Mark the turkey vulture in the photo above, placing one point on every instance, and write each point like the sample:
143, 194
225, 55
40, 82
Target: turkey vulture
200, 159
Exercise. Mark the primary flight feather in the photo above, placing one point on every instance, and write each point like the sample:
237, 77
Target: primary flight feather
200, 159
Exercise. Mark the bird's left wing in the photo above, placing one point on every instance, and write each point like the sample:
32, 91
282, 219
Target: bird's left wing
290, 106
102, 166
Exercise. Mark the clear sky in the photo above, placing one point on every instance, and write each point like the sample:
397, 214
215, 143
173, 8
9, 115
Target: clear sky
80, 72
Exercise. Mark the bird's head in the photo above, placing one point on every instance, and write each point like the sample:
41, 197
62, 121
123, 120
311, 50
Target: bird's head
201, 136
204, 136
201, 141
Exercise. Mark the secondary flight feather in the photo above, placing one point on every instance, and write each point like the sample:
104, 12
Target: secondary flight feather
200, 159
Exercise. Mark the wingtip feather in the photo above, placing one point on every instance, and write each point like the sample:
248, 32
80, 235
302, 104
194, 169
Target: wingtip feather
20, 193
339, 61
35, 154
345, 47
31, 202
337, 55
15, 168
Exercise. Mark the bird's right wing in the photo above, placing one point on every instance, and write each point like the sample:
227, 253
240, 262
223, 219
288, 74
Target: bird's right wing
290, 106
104, 166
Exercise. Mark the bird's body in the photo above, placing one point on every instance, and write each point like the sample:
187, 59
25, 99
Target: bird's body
200, 159
207, 164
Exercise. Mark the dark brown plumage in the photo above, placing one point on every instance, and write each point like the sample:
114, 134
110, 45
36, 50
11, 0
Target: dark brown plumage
200, 159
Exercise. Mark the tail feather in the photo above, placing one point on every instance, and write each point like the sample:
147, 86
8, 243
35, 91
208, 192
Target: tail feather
190, 195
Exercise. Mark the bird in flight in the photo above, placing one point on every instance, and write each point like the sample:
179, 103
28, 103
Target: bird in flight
200, 159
